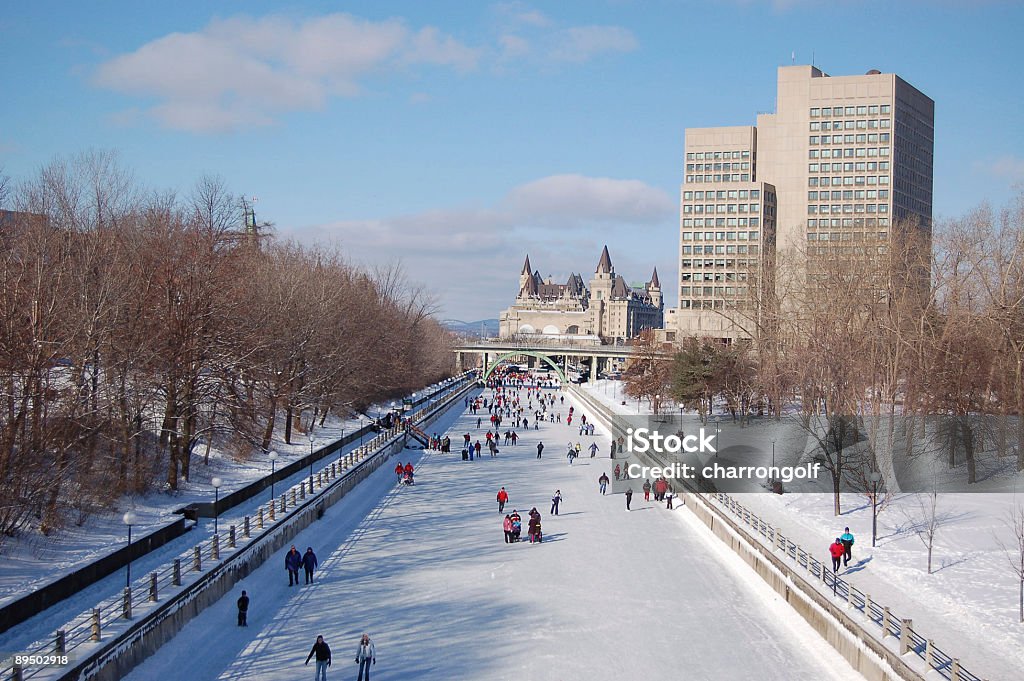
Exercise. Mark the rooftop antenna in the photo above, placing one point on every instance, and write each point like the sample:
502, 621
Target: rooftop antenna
792, 57
812, 57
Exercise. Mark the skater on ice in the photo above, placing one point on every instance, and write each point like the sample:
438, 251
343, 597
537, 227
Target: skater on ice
243, 610
365, 656
292, 563
323, 658
309, 563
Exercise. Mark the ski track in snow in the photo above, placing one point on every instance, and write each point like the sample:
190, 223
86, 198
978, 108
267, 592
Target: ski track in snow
424, 570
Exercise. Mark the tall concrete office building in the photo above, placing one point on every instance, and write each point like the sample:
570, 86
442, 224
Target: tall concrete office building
843, 159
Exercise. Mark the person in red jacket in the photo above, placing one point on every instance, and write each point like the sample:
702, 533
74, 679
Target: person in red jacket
399, 470
408, 468
502, 500
836, 550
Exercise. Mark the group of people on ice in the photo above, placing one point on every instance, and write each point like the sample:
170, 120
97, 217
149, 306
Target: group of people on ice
366, 655
513, 526
405, 473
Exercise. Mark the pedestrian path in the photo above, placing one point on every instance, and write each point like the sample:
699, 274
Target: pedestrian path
425, 571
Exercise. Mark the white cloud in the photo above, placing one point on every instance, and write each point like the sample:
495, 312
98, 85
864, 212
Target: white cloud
583, 43
243, 71
573, 200
470, 257
1007, 167
514, 46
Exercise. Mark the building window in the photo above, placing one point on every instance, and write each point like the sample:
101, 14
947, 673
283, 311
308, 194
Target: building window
885, 108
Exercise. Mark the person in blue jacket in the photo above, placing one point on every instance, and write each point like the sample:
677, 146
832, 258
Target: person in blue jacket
847, 540
292, 563
309, 563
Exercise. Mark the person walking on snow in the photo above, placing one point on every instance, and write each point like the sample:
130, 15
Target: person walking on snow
365, 656
847, 540
836, 550
555, 501
502, 500
603, 482
309, 563
593, 449
629, 497
540, 448
507, 526
292, 563
647, 490
399, 469
323, 658
243, 610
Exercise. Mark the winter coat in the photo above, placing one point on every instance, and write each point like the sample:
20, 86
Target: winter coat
647, 486
507, 524
408, 468
837, 549
534, 525
322, 652
243, 604
846, 537
309, 561
502, 496
603, 480
293, 560
366, 652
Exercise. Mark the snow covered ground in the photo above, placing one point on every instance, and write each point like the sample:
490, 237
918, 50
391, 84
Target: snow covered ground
425, 572
968, 605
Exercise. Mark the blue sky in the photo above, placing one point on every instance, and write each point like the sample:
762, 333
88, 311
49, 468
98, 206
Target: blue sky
455, 137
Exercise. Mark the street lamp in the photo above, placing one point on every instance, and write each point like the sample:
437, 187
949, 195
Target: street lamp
718, 431
362, 429
129, 519
657, 401
216, 482
312, 441
273, 469
875, 477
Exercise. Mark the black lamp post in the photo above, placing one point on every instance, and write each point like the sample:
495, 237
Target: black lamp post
273, 469
216, 482
312, 441
875, 478
772, 471
129, 519
718, 431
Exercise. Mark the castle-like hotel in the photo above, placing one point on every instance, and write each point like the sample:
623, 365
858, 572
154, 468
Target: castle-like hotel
609, 310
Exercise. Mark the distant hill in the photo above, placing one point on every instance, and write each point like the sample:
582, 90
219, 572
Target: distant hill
490, 327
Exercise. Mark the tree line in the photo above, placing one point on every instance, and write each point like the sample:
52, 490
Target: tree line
905, 346
140, 328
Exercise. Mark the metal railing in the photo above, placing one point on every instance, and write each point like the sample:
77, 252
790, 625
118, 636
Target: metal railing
188, 568
876, 613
